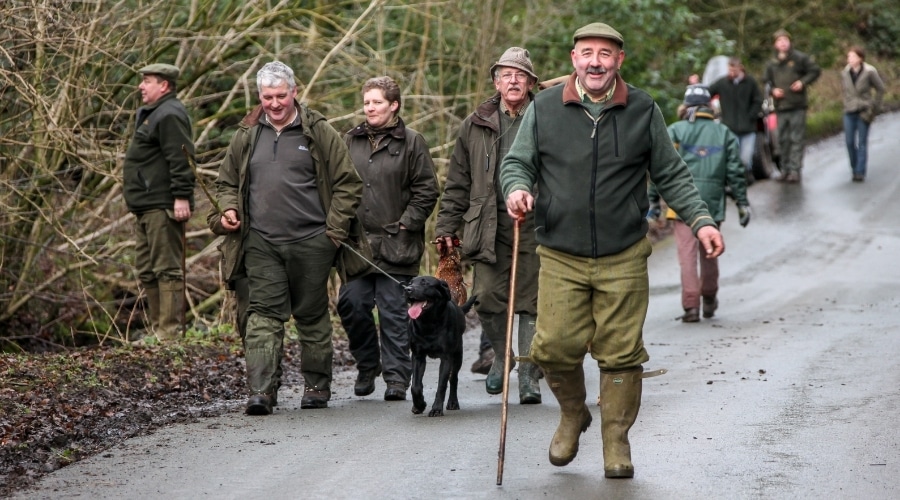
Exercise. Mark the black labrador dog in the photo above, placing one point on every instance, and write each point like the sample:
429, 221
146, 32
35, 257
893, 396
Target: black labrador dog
436, 327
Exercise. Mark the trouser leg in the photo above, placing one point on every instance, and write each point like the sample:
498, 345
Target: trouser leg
356, 301
687, 262
393, 320
529, 385
264, 340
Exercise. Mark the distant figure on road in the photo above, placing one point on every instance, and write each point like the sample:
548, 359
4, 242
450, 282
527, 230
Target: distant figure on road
788, 75
711, 153
860, 81
581, 163
740, 103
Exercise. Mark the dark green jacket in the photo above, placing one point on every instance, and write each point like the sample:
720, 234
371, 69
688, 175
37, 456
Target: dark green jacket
782, 73
156, 171
469, 203
591, 175
399, 188
713, 155
339, 185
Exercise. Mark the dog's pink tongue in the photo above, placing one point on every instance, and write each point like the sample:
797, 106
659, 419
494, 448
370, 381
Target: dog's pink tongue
415, 310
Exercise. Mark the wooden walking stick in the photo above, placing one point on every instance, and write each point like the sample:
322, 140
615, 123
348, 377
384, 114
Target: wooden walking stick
507, 356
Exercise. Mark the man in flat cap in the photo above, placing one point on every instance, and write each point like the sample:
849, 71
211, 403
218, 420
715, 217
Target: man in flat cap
474, 208
159, 191
788, 75
581, 164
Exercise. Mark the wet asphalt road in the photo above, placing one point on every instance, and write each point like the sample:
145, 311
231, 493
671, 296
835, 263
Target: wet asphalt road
790, 392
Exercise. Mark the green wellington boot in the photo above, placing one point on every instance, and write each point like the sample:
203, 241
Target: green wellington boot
620, 400
574, 416
529, 385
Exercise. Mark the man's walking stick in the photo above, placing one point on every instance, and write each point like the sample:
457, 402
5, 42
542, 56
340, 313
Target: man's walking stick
507, 356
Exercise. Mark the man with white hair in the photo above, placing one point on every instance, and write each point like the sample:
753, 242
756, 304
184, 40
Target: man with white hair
288, 193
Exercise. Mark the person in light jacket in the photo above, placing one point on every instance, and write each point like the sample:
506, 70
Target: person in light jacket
863, 92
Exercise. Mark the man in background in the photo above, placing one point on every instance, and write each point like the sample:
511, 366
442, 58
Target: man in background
159, 191
788, 75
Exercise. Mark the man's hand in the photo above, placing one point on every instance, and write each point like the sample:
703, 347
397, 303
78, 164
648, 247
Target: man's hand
229, 220
712, 241
777, 93
182, 209
445, 243
744, 213
519, 203
797, 86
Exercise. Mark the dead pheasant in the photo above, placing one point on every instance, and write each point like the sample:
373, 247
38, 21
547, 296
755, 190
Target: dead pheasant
450, 270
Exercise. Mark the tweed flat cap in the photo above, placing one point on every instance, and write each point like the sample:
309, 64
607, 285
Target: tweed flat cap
515, 57
598, 30
166, 71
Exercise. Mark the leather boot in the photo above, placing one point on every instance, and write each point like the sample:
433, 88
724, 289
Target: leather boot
171, 310
574, 416
620, 400
529, 386
262, 353
494, 326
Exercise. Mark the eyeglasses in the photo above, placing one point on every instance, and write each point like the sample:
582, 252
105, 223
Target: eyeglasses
508, 77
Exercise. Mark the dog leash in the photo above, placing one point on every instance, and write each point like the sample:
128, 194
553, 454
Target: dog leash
369, 262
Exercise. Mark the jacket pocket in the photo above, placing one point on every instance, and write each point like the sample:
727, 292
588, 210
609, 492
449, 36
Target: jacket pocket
401, 247
472, 239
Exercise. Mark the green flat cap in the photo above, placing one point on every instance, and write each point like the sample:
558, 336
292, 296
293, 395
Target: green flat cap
599, 30
166, 71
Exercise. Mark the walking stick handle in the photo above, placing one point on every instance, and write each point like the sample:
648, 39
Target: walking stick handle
507, 356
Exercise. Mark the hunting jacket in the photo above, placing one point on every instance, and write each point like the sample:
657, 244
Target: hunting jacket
469, 205
782, 73
156, 170
399, 188
339, 186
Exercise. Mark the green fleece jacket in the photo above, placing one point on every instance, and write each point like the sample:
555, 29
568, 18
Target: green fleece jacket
591, 172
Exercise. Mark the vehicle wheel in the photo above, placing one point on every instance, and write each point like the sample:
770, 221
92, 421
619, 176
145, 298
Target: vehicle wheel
764, 165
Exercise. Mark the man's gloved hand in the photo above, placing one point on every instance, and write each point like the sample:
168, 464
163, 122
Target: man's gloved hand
744, 213
654, 212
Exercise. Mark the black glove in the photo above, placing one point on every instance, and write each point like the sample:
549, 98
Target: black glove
744, 213
654, 212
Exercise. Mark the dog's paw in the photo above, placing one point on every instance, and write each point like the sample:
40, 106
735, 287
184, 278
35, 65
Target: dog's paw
436, 412
418, 408
452, 405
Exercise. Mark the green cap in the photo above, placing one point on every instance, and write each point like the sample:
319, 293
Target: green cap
166, 71
599, 30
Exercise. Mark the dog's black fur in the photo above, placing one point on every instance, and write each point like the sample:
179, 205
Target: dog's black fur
436, 333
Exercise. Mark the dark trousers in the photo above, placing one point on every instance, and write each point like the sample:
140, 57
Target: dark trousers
356, 301
291, 280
